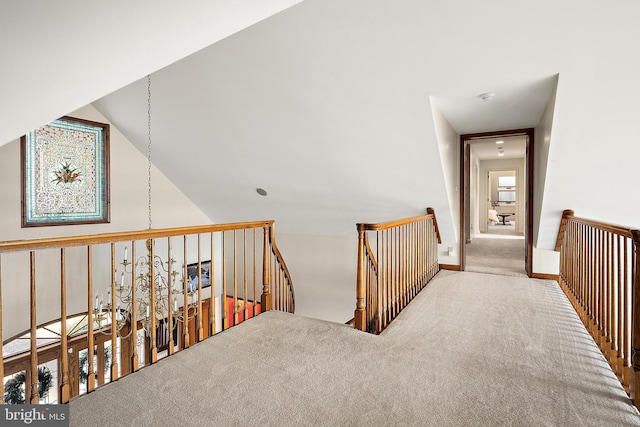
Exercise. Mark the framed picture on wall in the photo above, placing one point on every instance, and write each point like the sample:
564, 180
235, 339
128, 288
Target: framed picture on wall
65, 173
192, 273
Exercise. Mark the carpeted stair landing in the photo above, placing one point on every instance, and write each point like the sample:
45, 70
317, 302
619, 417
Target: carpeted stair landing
471, 350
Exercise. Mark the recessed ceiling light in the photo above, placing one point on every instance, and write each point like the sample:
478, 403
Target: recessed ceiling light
261, 191
500, 142
500, 154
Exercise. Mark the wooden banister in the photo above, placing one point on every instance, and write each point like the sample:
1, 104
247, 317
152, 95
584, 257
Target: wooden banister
168, 327
600, 274
360, 316
404, 261
267, 298
566, 214
431, 211
96, 239
635, 332
288, 293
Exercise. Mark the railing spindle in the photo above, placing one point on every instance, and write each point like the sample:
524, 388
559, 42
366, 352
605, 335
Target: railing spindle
255, 272
186, 338
212, 278
65, 392
91, 379
135, 360
170, 313
200, 333
267, 298
114, 316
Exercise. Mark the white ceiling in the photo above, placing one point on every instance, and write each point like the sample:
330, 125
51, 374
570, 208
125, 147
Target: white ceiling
58, 56
513, 147
326, 105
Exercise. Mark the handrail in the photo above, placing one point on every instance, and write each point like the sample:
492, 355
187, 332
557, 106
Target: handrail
393, 224
206, 261
431, 211
124, 236
388, 277
600, 274
287, 302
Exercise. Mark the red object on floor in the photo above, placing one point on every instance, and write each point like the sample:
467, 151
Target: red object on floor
240, 309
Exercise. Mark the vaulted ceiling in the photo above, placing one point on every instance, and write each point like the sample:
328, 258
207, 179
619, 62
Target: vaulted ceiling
325, 104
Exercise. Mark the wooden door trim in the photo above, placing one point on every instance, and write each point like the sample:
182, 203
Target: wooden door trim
464, 187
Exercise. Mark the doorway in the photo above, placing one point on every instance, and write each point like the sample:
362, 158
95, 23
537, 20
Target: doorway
478, 197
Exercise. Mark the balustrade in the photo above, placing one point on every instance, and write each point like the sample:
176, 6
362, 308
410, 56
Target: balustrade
401, 261
600, 274
130, 312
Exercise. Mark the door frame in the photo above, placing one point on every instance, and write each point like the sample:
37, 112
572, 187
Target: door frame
465, 169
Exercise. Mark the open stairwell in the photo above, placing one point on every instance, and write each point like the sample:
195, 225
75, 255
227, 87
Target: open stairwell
471, 349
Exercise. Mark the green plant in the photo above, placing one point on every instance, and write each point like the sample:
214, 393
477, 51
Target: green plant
83, 362
14, 388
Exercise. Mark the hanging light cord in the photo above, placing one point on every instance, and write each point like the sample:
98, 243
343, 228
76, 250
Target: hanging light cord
149, 142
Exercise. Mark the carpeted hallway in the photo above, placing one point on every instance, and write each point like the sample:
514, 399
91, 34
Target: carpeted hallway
499, 251
471, 350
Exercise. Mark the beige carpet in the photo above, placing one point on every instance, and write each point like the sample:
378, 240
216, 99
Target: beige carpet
500, 251
471, 350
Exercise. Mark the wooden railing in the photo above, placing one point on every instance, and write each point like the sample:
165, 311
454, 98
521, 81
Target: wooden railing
281, 278
600, 274
401, 261
201, 280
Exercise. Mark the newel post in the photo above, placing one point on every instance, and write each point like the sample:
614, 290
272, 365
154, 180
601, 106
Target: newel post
431, 211
359, 317
266, 302
635, 321
566, 214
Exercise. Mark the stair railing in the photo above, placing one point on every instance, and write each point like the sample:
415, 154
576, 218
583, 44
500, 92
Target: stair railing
600, 274
395, 261
283, 295
205, 279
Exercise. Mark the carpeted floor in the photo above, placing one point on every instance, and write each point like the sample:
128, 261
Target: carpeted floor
500, 251
470, 350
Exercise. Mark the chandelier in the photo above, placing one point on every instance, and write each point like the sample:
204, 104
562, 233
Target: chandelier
152, 290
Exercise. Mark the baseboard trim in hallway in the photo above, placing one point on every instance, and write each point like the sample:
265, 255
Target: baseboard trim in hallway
543, 276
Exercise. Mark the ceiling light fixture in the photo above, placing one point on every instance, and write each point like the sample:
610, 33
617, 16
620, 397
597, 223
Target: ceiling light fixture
499, 142
500, 154
487, 96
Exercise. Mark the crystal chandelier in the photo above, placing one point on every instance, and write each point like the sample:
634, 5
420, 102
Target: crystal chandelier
152, 291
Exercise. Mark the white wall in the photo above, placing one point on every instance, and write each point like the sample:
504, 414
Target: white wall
543, 137
545, 260
448, 146
129, 208
323, 270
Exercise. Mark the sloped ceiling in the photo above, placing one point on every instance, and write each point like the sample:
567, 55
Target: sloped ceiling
58, 56
326, 104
